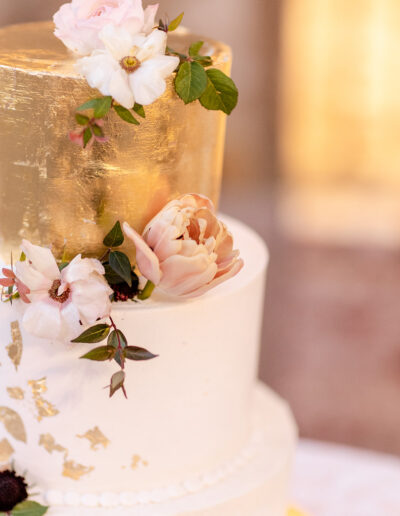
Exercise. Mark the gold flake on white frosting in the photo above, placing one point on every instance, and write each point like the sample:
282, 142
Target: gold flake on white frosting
15, 348
16, 393
138, 461
96, 438
49, 444
6, 451
74, 470
13, 423
44, 407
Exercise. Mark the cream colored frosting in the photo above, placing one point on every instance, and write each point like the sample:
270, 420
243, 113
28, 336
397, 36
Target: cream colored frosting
188, 411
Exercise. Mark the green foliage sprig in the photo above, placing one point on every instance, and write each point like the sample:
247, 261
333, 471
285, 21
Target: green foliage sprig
194, 80
122, 278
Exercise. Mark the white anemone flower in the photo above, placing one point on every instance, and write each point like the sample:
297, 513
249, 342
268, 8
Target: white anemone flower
131, 68
61, 303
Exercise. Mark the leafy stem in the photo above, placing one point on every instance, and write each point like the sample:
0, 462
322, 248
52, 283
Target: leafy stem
119, 348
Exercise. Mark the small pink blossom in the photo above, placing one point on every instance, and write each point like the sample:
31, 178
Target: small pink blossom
61, 302
11, 280
77, 136
79, 22
186, 250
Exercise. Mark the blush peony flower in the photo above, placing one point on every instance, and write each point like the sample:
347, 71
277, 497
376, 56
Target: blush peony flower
185, 250
132, 68
79, 22
61, 302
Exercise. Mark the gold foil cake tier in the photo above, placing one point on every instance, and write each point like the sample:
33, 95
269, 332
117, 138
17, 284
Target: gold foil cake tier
54, 193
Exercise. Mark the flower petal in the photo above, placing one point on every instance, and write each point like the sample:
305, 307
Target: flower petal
92, 298
120, 90
217, 281
43, 320
146, 84
33, 279
97, 69
146, 259
42, 259
70, 321
178, 268
155, 44
80, 269
149, 18
183, 275
117, 40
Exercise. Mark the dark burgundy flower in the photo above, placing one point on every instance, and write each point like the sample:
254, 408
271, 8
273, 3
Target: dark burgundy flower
123, 292
12, 490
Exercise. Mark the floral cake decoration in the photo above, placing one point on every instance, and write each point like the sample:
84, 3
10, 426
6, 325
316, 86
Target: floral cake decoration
184, 251
14, 496
123, 52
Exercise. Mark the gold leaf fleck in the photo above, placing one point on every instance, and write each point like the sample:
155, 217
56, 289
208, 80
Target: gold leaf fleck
13, 423
44, 407
49, 444
74, 470
15, 348
138, 461
96, 438
16, 393
6, 451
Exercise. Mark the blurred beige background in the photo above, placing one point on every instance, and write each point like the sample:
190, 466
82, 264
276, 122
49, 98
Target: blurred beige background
312, 163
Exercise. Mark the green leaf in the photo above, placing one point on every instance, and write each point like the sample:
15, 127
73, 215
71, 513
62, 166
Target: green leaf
82, 119
87, 136
29, 508
113, 341
115, 237
120, 264
97, 130
173, 52
139, 109
112, 277
126, 115
190, 81
138, 354
22, 258
90, 104
100, 354
117, 382
205, 61
195, 48
94, 334
221, 92
176, 22
103, 107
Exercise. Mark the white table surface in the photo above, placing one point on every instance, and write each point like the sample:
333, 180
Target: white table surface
332, 480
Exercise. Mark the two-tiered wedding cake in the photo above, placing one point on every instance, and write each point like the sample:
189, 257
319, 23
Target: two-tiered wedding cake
197, 435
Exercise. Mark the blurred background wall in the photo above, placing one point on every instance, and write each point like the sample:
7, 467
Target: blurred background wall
312, 163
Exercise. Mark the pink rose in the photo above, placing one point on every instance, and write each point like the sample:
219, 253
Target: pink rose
185, 250
78, 23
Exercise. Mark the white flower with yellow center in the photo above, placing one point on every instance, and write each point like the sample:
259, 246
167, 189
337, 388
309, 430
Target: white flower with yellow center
131, 68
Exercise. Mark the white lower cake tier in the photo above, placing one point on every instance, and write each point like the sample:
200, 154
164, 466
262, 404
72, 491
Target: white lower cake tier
187, 422
253, 483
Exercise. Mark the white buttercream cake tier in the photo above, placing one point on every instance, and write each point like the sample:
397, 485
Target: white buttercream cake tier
187, 426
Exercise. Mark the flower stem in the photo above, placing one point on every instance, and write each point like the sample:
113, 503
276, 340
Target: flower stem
147, 291
105, 255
